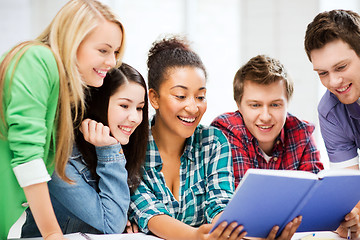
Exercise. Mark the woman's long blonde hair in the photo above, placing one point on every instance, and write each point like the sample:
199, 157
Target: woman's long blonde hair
63, 36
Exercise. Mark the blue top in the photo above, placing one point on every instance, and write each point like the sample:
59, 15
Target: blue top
89, 205
340, 129
206, 181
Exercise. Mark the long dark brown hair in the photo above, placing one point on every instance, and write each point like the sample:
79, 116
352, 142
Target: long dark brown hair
97, 109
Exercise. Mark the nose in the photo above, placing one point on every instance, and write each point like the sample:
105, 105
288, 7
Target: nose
191, 106
111, 60
335, 80
265, 114
135, 116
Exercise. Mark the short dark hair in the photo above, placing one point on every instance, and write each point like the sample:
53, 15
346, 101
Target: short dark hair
263, 70
97, 109
333, 25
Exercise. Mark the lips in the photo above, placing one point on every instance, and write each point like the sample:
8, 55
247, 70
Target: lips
187, 119
126, 130
343, 89
101, 73
265, 128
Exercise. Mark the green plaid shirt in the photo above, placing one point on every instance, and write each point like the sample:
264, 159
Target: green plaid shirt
206, 181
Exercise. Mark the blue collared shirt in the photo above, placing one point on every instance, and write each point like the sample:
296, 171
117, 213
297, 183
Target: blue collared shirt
340, 129
206, 181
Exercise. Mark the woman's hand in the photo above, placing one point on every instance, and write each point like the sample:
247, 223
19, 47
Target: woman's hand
223, 231
351, 221
131, 227
96, 133
288, 231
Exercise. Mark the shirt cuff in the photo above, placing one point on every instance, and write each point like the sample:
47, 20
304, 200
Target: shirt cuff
110, 153
348, 163
32, 172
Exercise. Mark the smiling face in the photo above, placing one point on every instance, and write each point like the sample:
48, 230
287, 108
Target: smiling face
264, 109
98, 52
125, 111
338, 67
180, 103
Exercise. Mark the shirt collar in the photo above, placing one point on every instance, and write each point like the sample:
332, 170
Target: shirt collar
354, 110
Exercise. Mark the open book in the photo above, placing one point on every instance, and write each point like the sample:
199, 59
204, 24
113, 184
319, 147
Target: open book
265, 198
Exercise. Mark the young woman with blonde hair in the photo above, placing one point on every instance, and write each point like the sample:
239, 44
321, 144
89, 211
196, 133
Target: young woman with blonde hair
42, 91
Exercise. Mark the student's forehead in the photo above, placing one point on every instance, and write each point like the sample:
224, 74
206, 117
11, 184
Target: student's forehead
273, 91
184, 80
331, 54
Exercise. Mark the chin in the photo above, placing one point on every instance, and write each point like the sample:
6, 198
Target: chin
347, 100
98, 84
124, 142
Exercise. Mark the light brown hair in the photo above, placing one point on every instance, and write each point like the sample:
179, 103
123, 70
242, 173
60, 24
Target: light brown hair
262, 70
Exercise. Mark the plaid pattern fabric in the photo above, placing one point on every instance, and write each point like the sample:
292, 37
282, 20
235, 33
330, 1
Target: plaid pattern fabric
294, 148
206, 181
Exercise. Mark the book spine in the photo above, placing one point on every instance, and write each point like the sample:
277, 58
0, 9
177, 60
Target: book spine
302, 202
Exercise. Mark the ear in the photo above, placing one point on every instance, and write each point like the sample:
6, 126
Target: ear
154, 98
238, 106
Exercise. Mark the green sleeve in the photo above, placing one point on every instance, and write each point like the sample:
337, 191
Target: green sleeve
30, 104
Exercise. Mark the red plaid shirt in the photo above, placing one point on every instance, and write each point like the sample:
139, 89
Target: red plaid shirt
294, 148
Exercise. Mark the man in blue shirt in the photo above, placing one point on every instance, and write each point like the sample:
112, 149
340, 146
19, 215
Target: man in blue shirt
332, 44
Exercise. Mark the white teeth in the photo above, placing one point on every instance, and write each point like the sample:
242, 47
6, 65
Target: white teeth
189, 120
342, 89
101, 72
127, 129
265, 127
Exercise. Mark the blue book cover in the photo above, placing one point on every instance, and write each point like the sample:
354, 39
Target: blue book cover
265, 198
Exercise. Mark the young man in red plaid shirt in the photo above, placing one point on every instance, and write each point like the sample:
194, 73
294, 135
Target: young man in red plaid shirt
261, 132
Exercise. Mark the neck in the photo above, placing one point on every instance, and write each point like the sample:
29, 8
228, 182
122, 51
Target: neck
166, 140
267, 148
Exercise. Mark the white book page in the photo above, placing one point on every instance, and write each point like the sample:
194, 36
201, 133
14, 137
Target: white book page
282, 173
328, 235
129, 236
338, 172
81, 236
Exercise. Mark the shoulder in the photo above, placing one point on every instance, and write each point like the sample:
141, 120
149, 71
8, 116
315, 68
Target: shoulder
42, 54
231, 124
34, 61
296, 128
31, 57
228, 119
205, 135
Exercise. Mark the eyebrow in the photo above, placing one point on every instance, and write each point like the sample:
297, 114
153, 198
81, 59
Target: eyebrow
107, 44
254, 100
128, 99
186, 88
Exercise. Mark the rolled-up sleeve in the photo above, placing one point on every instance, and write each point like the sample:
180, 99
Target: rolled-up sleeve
30, 104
